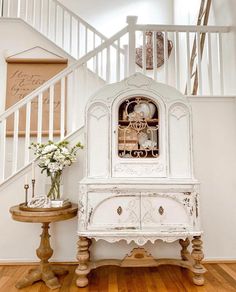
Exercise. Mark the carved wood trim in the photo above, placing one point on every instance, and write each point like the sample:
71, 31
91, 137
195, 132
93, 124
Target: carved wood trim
138, 257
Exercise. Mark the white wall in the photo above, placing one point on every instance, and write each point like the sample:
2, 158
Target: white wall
214, 135
222, 12
109, 17
185, 11
214, 132
16, 37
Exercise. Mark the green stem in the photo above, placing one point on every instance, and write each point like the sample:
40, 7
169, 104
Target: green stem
54, 192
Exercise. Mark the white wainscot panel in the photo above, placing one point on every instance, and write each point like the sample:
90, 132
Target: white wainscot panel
164, 212
179, 141
111, 211
98, 137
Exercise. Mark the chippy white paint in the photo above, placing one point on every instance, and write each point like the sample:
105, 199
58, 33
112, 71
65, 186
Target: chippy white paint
133, 185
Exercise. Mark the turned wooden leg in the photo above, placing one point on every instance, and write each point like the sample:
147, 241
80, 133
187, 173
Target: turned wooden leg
83, 258
44, 252
184, 251
197, 255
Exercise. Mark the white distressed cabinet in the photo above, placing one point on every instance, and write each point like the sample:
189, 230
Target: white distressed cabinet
139, 184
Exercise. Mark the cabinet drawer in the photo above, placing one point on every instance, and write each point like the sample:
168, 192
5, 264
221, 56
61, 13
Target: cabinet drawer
164, 212
111, 211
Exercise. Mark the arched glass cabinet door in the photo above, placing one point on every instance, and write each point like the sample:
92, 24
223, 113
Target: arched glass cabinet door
138, 128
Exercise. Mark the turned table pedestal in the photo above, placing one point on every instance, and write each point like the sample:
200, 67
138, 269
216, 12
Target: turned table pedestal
45, 271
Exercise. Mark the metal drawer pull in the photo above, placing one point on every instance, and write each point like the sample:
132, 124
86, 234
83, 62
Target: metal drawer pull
119, 210
161, 210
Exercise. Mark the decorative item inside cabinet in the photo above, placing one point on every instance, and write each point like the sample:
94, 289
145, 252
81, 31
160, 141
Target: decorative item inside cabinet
138, 127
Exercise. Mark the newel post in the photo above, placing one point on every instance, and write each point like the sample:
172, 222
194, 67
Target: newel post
131, 20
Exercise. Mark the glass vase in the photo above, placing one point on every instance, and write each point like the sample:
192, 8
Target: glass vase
54, 192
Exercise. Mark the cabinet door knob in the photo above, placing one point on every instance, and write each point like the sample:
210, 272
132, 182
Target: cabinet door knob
119, 210
161, 210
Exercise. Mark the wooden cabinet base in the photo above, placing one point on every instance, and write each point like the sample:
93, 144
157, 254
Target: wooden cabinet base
139, 257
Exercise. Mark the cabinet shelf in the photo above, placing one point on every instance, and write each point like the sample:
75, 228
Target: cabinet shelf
150, 122
136, 149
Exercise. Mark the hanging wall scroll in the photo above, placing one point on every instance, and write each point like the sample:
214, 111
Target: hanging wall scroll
27, 71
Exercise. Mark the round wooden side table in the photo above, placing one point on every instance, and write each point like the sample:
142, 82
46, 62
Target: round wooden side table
45, 271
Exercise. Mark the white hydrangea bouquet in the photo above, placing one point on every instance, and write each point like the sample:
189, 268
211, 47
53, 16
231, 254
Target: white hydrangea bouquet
53, 158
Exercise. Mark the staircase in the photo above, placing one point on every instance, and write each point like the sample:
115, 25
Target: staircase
66, 29
100, 61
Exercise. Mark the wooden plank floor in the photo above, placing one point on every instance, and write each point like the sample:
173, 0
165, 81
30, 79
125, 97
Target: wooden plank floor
219, 278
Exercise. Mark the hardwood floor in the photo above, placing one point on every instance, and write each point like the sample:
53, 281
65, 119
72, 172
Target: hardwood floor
219, 278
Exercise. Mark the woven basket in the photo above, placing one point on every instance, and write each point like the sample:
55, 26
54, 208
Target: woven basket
149, 50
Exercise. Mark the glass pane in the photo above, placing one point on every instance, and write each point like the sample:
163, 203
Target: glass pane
138, 128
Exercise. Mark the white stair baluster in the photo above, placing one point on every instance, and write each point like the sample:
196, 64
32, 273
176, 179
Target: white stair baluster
199, 64
94, 58
209, 63
40, 118
144, 53
33, 13
15, 141
41, 15
70, 34
3, 149
62, 126
86, 90
102, 64
118, 61
27, 131
63, 29
75, 101
132, 20
48, 18
177, 71
18, 8
78, 39
220, 62
166, 57
1, 7
55, 23
188, 63
86, 41
26, 10
97, 65
108, 65
154, 41
126, 60
51, 112
8, 8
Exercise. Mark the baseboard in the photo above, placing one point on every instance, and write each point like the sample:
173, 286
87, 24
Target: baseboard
16, 263
219, 261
